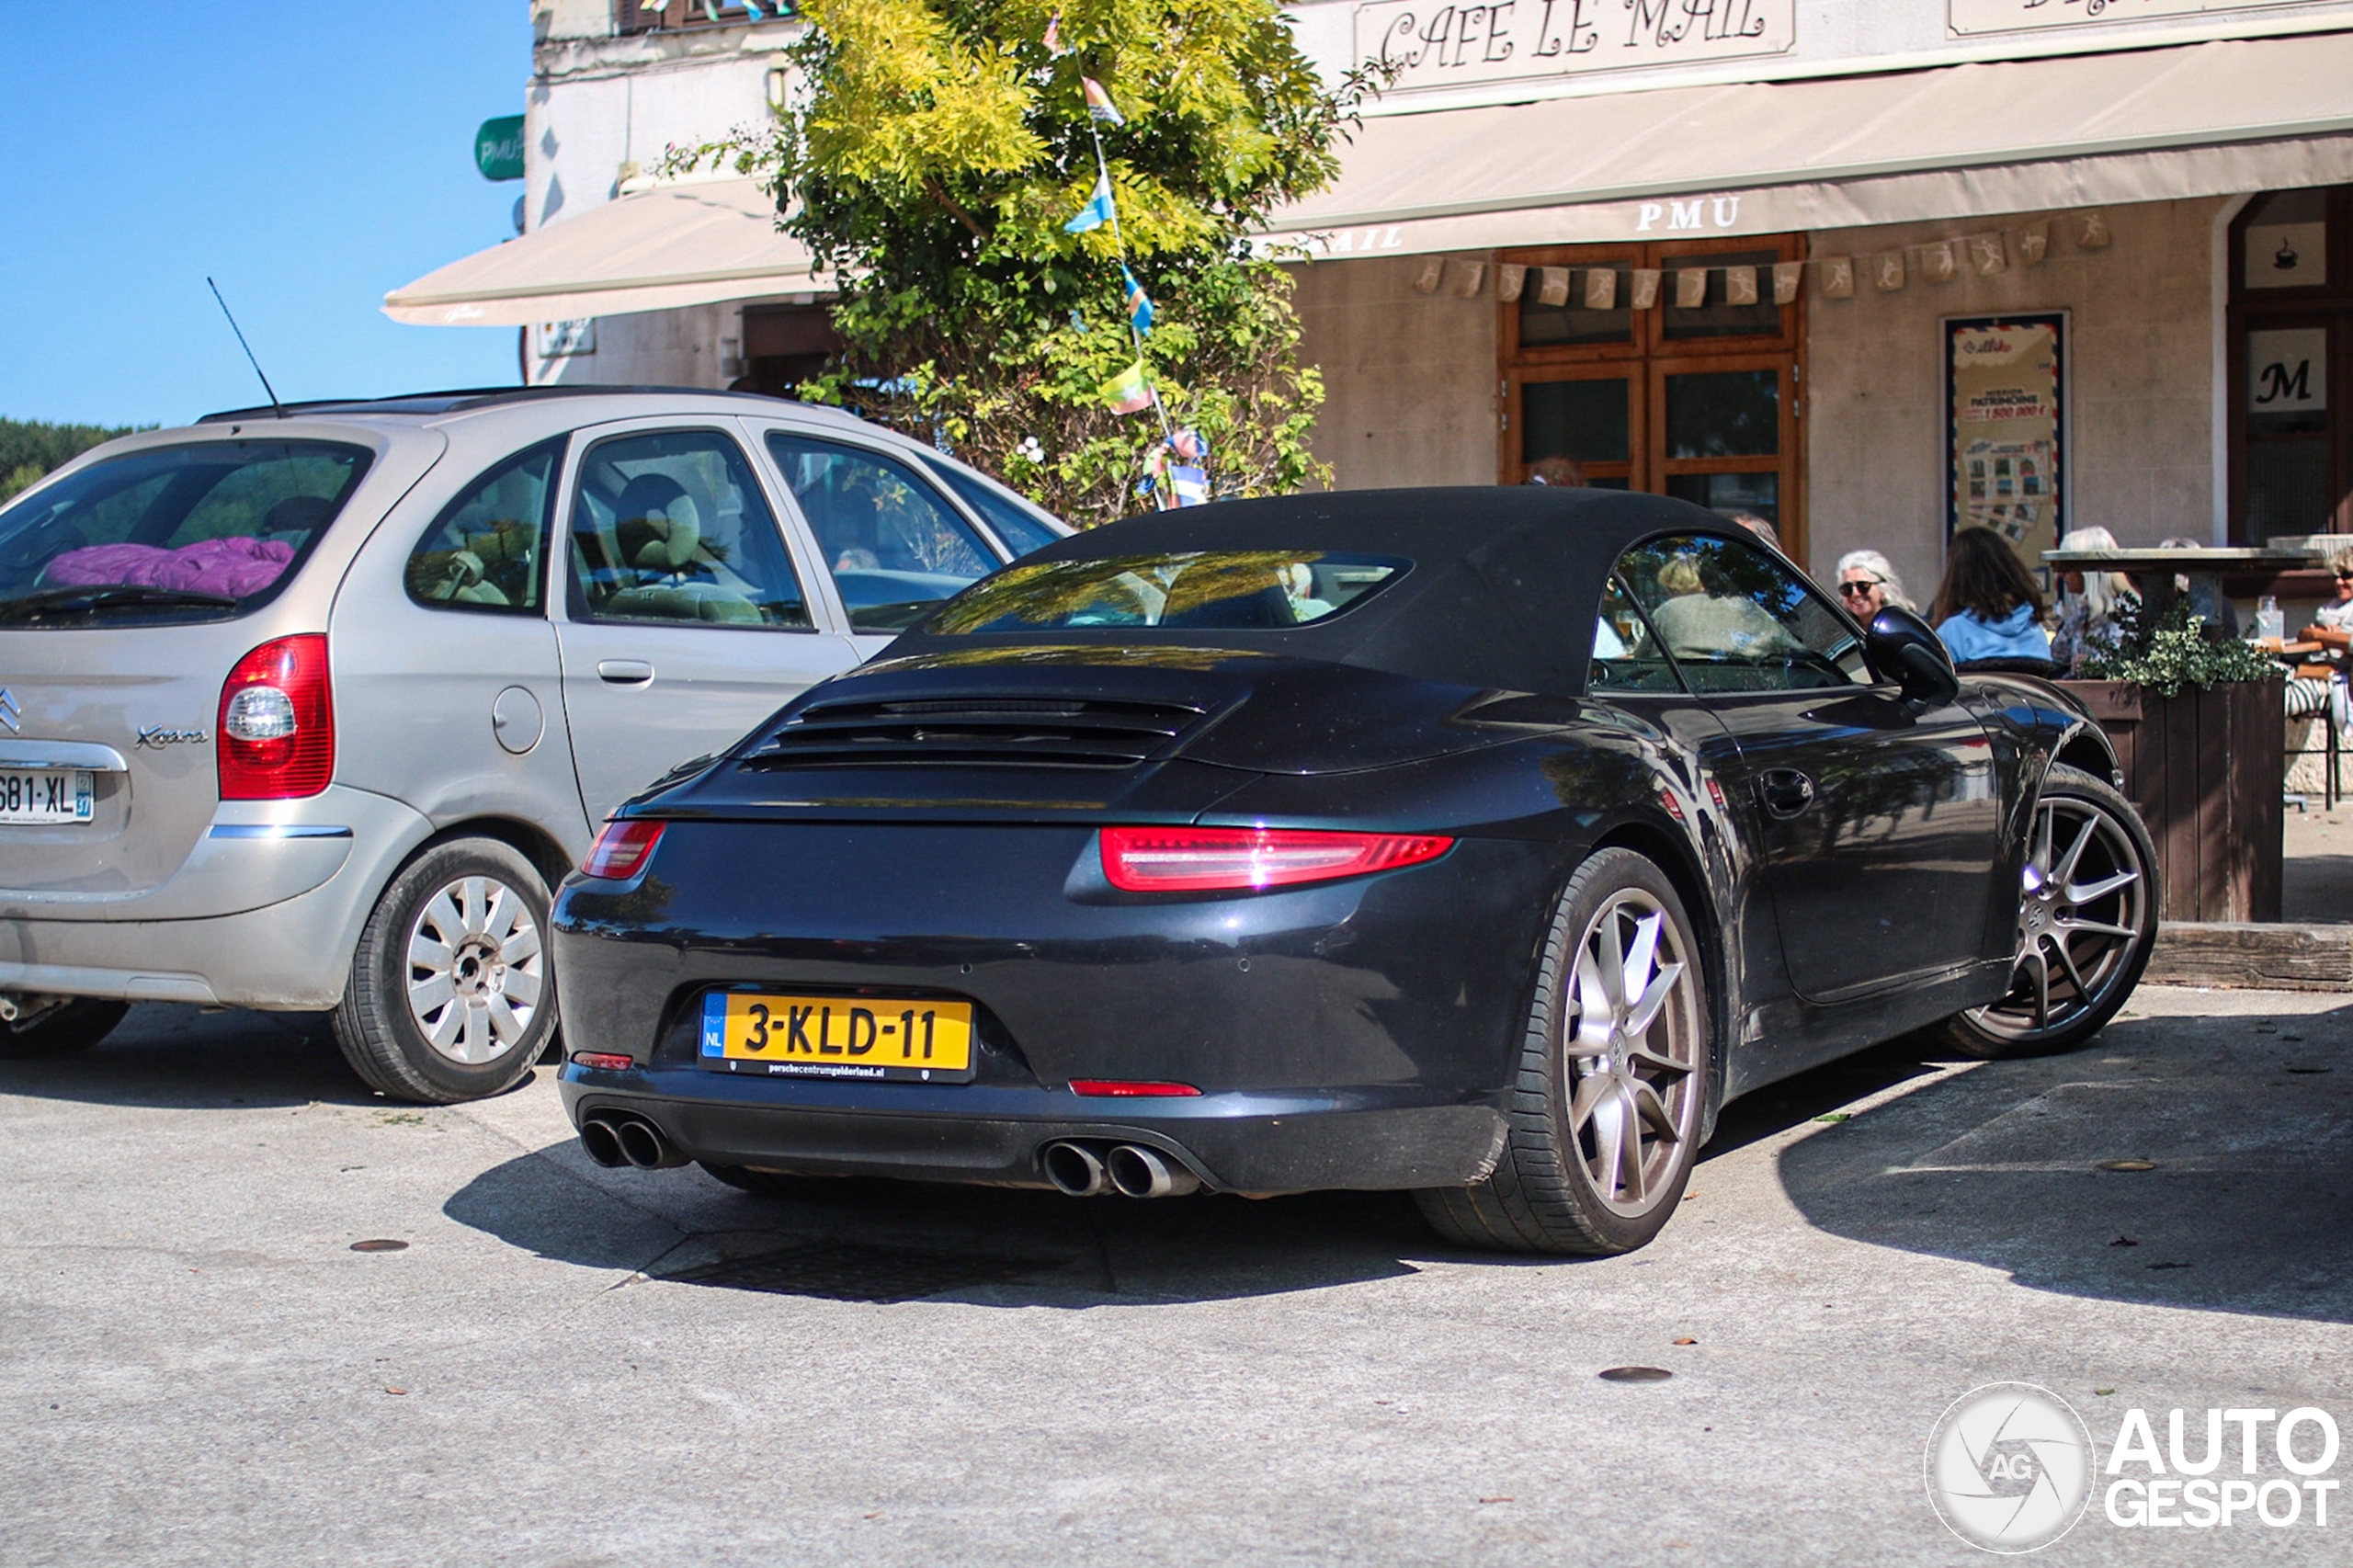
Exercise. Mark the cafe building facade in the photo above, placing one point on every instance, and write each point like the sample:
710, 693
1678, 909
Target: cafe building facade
1874, 270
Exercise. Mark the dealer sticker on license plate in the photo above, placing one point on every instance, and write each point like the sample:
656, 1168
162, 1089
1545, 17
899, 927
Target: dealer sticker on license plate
837, 1036
46, 797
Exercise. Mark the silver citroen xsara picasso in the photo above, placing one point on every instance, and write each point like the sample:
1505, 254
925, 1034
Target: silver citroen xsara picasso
310, 711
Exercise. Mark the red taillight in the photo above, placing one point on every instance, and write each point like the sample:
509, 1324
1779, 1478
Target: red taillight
1131, 1088
602, 1062
277, 722
621, 850
1186, 859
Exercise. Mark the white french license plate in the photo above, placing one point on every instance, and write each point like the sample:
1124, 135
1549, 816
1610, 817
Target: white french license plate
45, 797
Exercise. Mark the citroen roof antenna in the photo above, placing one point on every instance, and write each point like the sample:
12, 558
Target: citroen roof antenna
246, 347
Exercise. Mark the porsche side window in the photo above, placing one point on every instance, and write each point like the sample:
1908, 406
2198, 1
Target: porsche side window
1733, 618
669, 527
1626, 657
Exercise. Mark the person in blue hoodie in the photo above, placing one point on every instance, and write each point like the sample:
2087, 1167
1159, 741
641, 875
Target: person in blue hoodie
1989, 605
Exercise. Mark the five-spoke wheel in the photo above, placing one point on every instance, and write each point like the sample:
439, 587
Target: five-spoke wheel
1613, 1077
2087, 919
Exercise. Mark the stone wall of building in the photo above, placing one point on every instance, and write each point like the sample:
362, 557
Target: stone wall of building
1410, 378
657, 349
2140, 378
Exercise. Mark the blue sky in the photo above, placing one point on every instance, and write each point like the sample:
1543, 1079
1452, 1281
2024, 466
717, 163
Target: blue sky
310, 156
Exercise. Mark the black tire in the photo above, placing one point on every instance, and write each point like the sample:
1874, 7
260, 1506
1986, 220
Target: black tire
1546, 1192
780, 1184
62, 1031
2078, 958
384, 1032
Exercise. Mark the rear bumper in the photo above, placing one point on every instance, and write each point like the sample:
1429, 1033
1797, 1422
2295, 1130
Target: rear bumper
1367, 1140
291, 955
1359, 1034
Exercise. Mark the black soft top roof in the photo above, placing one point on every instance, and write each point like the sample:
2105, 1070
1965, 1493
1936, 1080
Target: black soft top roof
1504, 589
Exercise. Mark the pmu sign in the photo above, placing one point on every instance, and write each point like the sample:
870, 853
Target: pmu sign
498, 148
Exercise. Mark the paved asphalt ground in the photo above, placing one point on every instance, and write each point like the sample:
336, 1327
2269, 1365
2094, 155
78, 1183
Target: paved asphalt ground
196, 1368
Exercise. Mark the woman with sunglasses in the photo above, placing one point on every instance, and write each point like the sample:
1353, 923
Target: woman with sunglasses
1868, 585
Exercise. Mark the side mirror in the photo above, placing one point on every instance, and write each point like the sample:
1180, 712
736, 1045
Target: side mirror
1899, 643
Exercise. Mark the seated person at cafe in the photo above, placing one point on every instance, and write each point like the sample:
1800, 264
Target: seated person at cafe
1989, 605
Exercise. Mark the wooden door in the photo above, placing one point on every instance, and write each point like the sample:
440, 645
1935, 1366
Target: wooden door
1701, 402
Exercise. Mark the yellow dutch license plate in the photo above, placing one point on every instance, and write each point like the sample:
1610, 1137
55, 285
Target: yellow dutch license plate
872, 1037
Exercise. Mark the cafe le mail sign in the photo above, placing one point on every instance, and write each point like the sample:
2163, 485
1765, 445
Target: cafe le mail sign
1444, 46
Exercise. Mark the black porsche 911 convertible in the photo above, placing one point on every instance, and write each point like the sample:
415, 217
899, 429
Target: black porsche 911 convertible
1478, 843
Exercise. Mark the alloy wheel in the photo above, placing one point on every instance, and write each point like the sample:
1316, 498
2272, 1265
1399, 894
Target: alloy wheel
1631, 1034
475, 970
2083, 904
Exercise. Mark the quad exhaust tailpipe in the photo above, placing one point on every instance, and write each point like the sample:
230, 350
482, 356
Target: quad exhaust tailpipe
614, 1139
1139, 1172
1128, 1169
1076, 1170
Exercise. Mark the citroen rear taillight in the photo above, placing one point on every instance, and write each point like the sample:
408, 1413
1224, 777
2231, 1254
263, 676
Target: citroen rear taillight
277, 722
1200, 860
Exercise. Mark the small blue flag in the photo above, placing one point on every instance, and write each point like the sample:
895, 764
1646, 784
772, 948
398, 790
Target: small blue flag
1139, 303
1097, 210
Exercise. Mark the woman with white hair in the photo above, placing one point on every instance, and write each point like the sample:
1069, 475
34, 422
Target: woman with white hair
1868, 583
2088, 602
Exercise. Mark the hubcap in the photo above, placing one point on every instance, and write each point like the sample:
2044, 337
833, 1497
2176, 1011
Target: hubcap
2083, 902
1630, 1045
475, 970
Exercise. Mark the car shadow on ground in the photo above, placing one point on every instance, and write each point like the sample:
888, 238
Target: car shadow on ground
1053, 1250
196, 1059
2202, 1163
1019, 1247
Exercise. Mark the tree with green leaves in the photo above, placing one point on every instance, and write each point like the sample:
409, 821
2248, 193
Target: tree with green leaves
30, 449
932, 161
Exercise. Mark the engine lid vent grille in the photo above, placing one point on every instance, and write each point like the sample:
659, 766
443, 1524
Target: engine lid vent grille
1028, 732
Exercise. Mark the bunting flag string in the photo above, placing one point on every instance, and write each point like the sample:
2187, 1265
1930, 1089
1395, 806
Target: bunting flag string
1617, 287
1175, 472
1130, 391
1140, 311
1097, 210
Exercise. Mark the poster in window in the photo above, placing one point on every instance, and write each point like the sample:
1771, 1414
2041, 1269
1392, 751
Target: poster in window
2005, 413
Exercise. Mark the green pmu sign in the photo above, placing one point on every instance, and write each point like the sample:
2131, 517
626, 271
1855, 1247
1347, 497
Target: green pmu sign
498, 148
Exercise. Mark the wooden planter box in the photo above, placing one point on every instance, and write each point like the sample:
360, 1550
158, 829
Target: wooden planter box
2205, 769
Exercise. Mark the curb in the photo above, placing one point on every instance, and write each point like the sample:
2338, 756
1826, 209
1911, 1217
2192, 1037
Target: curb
2259, 957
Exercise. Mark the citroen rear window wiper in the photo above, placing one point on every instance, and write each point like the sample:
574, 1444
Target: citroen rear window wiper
70, 600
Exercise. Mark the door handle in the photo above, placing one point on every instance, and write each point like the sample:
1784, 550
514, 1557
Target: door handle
624, 672
1785, 791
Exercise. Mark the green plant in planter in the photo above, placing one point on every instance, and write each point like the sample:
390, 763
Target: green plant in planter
2166, 650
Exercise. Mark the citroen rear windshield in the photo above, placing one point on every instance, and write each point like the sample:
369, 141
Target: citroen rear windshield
1226, 590
202, 531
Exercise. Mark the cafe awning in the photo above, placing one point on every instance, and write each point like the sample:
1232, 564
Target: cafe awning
690, 243
1765, 157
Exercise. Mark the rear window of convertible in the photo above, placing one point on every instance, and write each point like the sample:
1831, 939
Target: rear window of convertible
206, 529
1232, 590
